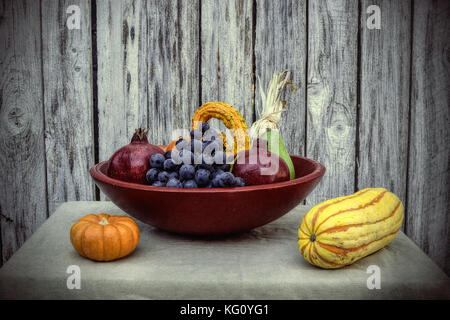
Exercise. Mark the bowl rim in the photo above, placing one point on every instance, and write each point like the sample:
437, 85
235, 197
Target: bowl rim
318, 171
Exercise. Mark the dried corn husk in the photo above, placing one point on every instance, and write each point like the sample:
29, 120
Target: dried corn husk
272, 105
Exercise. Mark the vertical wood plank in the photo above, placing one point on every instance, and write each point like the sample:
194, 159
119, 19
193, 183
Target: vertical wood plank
331, 94
226, 55
429, 173
173, 65
23, 205
67, 71
122, 72
383, 114
280, 44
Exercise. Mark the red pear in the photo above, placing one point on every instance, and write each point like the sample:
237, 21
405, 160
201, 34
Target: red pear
259, 166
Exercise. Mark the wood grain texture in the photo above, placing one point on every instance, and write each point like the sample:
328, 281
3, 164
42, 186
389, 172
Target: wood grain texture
68, 104
23, 205
226, 55
331, 95
428, 203
159, 60
383, 113
122, 72
173, 66
280, 44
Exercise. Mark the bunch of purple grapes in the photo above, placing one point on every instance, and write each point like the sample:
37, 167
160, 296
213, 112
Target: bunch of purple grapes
198, 163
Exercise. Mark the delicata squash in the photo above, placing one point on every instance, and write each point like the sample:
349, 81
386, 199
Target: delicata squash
340, 231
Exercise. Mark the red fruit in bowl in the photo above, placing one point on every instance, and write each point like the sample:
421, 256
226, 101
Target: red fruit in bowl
259, 166
131, 162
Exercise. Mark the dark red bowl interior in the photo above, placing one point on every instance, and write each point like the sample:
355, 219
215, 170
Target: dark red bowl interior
210, 211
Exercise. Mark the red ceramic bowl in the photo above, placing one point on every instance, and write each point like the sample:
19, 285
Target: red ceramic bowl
210, 211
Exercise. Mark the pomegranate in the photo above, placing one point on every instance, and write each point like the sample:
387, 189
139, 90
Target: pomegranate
131, 162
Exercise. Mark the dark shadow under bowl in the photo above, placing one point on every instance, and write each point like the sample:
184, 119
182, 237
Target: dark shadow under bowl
210, 211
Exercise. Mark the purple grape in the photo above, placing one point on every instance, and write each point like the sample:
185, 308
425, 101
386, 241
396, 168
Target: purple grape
239, 182
158, 184
168, 154
227, 179
190, 184
205, 127
187, 172
187, 157
202, 177
173, 175
157, 160
152, 175
174, 183
216, 182
216, 173
169, 165
182, 144
163, 176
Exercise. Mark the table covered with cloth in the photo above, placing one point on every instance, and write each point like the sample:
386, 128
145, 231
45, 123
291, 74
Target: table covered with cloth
263, 263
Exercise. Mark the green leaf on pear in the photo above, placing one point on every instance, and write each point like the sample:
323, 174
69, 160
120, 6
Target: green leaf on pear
276, 145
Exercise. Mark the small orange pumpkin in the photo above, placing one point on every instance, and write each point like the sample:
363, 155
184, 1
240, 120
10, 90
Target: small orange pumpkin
103, 237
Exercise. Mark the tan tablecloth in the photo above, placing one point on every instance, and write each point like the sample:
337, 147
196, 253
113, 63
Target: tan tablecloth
261, 264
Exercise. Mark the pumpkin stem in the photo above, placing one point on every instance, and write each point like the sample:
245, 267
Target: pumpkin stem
103, 222
312, 238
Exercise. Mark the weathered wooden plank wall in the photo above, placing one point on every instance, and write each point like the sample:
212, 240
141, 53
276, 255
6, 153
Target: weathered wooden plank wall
428, 203
281, 43
121, 34
331, 94
23, 196
173, 65
384, 99
226, 54
68, 103
371, 105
